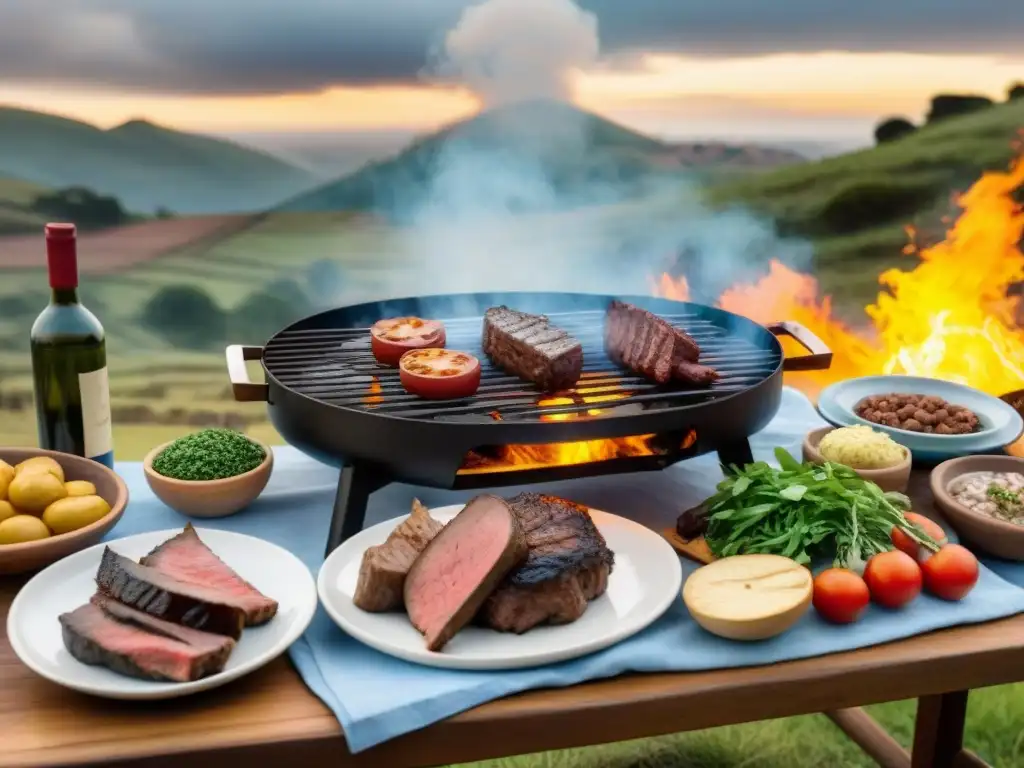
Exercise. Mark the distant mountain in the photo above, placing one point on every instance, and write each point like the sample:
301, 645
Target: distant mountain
144, 165
538, 154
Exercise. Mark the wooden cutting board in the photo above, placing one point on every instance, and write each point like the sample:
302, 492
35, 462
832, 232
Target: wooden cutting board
695, 549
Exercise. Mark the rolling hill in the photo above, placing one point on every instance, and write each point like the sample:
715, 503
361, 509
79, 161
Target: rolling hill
854, 207
146, 166
540, 154
15, 197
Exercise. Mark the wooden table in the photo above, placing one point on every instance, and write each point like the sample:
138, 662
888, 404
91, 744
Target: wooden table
270, 718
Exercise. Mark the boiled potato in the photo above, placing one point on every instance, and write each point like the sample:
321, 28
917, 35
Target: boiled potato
22, 528
32, 491
6, 475
74, 512
41, 464
6, 510
80, 488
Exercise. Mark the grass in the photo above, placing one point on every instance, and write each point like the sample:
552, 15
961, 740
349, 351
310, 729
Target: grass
853, 207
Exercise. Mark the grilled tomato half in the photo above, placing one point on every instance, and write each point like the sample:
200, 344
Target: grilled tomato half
439, 374
392, 338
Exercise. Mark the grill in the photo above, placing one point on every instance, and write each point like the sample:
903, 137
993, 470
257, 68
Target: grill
328, 397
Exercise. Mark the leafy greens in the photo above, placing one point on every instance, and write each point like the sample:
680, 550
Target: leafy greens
805, 512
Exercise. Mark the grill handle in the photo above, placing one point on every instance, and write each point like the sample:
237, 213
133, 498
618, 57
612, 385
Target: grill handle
245, 390
818, 357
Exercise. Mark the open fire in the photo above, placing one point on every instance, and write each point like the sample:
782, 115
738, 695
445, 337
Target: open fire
953, 316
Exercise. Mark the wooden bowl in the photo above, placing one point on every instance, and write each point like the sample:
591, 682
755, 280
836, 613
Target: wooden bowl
889, 479
997, 537
209, 498
33, 555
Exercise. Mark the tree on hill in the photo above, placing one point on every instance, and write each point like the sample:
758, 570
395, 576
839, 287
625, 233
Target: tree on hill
266, 311
87, 209
893, 128
185, 316
950, 104
1015, 91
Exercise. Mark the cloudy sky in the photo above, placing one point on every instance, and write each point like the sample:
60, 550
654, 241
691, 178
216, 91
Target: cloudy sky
741, 68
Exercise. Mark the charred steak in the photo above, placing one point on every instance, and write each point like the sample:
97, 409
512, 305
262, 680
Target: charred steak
567, 566
461, 566
653, 347
109, 634
163, 596
529, 347
384, 567
187, 558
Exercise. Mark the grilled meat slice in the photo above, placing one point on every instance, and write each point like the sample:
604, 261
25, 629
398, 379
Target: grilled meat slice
653, 347
461, 566
187, 558
529, 347
106, 633
384, 567
165, 597
567, 566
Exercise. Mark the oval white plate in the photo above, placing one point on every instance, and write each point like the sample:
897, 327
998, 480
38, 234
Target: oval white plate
35, 633
646, 580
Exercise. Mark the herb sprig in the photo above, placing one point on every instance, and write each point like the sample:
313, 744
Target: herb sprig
805, 512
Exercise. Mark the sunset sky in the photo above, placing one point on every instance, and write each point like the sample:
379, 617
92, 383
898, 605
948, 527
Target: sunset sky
733, 68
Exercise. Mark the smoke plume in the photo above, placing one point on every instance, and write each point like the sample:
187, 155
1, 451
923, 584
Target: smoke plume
507, 51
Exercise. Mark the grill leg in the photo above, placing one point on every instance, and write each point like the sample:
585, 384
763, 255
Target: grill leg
355, 484
737, 453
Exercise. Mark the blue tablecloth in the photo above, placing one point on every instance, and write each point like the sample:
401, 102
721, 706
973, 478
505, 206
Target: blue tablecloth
377, 698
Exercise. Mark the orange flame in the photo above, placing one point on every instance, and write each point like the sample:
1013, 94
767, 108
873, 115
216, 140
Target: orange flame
950, 317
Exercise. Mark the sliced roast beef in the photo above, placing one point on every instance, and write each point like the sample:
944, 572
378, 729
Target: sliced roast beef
567, 566
109, 634
653, 347
461, 566
384, 567
529, 347
187, 558
163, 596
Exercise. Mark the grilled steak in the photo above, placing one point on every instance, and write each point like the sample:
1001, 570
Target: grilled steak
106, 633
187, 558
163, 596
529, 347
461, 566
653, 347
567, 566
384, 567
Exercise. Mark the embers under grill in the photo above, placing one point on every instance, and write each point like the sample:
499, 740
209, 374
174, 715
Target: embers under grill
327, 396
335, 366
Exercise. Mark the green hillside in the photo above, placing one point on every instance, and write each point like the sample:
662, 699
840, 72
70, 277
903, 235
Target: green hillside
854, 207
15, 197
534, 155
144, 165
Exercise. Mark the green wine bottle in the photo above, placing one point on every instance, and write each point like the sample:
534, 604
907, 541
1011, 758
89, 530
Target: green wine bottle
69, 361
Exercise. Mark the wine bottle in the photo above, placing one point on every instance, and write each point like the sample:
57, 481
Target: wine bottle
69, 361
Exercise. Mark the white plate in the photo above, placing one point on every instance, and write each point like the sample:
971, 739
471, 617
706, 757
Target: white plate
646, 580
35, 633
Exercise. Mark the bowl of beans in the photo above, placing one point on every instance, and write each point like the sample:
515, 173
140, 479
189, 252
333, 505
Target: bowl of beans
935, 419
982, 497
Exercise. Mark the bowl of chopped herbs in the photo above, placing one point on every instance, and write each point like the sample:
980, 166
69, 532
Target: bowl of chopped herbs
209, 473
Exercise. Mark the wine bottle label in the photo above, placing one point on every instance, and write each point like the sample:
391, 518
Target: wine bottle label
96, 423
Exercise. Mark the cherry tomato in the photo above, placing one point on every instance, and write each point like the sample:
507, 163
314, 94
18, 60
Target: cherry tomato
951, 572
904, 543
840, 595
392, 338
894, 578
439, 374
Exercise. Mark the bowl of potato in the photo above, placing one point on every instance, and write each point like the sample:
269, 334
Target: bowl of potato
52, 505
